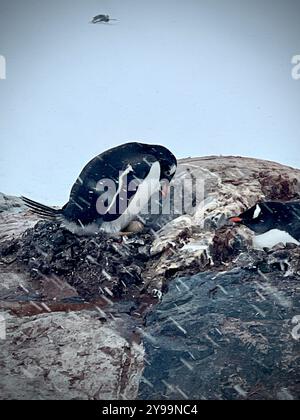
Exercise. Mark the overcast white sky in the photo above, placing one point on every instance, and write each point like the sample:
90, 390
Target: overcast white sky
202, 77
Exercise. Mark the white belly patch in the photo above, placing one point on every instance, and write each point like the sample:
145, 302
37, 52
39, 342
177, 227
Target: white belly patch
146, 189
272, 238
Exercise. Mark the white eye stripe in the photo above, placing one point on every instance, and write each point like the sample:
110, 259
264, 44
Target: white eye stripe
172, 170
257, 212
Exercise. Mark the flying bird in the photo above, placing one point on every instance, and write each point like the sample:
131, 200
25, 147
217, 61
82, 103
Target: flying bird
272, 222
101, 19
113, 188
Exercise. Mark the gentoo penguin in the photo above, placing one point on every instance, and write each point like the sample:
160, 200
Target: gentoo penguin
272, 223
113, 188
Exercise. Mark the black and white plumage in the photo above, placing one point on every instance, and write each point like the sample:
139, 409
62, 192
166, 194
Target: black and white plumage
113, 188
101, 19
272, 223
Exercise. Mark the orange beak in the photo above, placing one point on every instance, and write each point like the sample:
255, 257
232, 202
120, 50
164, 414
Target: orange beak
235, 220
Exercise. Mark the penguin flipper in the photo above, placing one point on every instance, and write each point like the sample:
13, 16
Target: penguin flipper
41, 209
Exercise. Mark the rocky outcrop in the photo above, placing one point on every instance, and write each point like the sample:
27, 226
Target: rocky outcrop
75, 308
76, 355
201, 239
14, 218
226, 336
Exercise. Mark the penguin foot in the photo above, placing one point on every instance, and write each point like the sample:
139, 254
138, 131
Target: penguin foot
122, 234
134, 227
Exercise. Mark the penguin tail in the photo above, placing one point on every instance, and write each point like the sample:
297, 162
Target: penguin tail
41, 210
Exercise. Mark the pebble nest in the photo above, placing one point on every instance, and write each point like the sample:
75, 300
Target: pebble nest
94, 266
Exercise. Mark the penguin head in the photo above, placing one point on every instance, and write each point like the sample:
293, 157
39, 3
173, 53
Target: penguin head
167, 161
260, 218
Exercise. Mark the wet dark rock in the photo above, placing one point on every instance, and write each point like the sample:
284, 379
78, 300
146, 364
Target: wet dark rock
9, 248
93, 266
224, 337
227, 244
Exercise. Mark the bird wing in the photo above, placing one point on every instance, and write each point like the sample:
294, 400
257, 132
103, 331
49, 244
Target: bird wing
133, 188
98, 18
106, 185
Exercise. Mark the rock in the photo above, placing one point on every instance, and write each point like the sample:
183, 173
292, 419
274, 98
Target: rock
223, 337
68, 356
235, 307
11, 204
230, 186
88, 264
15, 219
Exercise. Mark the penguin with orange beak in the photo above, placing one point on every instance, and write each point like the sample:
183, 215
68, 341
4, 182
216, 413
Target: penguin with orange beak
272, 223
